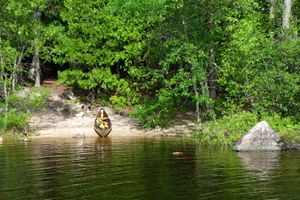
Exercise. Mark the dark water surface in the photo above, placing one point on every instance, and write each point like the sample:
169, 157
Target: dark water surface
139, 168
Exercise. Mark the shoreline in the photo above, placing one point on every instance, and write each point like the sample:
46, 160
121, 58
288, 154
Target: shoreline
52, 126
65, 117
83, 127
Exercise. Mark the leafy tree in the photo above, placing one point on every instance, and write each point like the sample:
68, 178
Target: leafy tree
18, 38
101, 42
211, 57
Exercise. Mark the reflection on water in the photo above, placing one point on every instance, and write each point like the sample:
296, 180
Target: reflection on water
260, 163
103, 148
143, 168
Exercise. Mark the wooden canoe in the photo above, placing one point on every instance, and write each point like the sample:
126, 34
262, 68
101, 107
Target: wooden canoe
102, 132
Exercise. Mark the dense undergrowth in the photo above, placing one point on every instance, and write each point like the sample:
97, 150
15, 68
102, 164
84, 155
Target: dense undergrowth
159, 57
17, 111
227, 130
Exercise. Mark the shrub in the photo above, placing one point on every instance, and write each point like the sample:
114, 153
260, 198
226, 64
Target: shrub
118, 102
19, 108
287, 127
28, 100
154, 113
104, 82
13, 120
227, 130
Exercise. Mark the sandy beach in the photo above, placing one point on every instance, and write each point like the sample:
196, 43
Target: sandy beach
69, 118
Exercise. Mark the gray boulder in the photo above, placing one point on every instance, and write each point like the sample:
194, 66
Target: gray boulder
261, 137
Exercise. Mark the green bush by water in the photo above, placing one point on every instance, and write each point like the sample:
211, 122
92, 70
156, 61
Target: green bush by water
13, 120
154, 113
287, 127
229, 129
19, 107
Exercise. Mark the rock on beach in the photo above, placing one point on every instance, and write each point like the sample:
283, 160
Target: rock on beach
261, 137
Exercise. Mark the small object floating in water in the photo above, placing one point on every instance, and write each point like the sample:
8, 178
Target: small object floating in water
181, 154
102, 125
26, 139
178, 153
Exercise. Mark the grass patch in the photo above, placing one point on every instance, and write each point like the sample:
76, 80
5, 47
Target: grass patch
19, 107
288, 128
229, 129
12, 137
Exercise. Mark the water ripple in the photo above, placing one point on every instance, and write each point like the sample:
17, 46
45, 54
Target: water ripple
143, 169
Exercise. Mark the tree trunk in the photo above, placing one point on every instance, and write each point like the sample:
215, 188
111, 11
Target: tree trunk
37, 69
36, 65
205, 92
5, 95
15, 71
5, 89
287, 12
197, 103
212, 75
272, 10
194, 79
14, 81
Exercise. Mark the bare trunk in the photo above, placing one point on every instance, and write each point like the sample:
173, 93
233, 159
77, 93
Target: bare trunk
197, 103
272, 10
185, 29
14, 82
205, 92
212, 75
36, 65
5, 96
6, 93
15, 72
37, 69
5, 89
3, 79
287, 12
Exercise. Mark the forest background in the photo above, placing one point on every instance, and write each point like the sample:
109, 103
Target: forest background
231, 62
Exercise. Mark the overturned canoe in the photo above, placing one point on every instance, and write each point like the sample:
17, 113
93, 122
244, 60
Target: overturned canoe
102, 129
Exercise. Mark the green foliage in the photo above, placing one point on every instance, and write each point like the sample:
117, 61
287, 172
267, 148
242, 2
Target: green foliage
270, 82
14, 120
19, 107
241, 55
103, 82
159, 55
2, 123
118, 102
13, 136
287, 127
100, 39
227, 130
259, 74
124, 95
154, 113
28, 100
98, 77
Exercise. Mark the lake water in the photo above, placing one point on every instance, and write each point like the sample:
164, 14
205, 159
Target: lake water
143, 168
